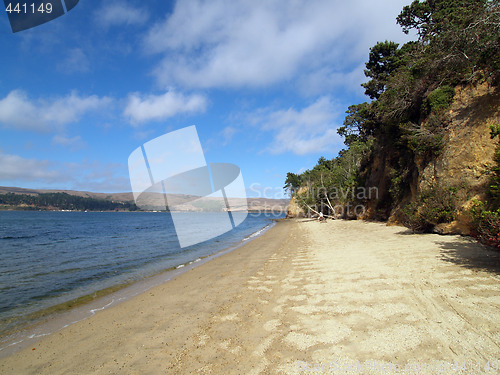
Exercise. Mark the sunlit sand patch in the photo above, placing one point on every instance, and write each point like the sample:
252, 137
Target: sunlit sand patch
450, 292
304, 266
455, 320
494, 299
207, 369
329, 330
312, 288
302, 341
475, 300
398, 338
344, 308
315, 299
202, 339
269, 282
306, 310
383, 311
300, 297
262, 301
259, 367
227, 345
292, 280
229, 317
308, 270
374, 296
496, 336
264, 345
389, 294
289, 368
272, 324
278, 309
323, 332
283, 299
466, 272
261, 287
484, 286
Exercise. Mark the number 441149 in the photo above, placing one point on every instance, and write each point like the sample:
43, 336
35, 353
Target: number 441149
29, 8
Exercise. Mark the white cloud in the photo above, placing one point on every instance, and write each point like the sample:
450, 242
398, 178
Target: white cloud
228, 134
18, 111
74, 143
16, 168
76, 61
121, 13
45, 174
308, 130
326, 79
222, 43
141, 109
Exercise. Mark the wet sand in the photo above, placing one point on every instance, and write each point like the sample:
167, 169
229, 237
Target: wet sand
306, 297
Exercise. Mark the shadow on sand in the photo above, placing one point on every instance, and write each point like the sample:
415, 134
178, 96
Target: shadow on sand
469, 254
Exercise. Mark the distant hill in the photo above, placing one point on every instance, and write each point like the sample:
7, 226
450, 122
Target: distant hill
120, 197
65, 199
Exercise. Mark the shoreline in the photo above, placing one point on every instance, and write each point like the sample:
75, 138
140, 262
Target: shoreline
303, 296
50, 320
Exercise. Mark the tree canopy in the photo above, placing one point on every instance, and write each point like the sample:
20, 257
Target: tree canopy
410, 87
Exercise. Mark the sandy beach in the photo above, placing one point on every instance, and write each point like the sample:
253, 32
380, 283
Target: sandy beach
306, 297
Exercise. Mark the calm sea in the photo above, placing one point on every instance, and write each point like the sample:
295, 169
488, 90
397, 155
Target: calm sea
49, 258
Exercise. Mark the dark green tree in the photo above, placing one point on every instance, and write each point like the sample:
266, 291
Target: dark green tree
384, 59
431, 18
292, 182
359, 124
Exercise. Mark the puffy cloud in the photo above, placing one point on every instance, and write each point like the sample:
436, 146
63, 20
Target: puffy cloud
309, 130
141, 109
45, 174
18, 111
17, 168
223, 43
120, 13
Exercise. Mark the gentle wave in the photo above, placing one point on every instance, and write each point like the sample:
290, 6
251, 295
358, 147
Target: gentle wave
59, 257
258, 233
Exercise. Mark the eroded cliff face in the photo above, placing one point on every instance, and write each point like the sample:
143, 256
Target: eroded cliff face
468, 150
467, 157
465, 160
293, 209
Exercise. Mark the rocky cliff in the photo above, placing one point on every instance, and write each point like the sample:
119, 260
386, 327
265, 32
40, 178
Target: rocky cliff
464, 161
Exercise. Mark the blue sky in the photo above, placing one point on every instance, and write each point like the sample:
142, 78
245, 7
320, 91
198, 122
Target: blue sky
266, 83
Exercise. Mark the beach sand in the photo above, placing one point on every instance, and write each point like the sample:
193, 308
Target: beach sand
355, 295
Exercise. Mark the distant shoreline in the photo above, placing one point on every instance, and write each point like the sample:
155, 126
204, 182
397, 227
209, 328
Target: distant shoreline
22, 209
19, 199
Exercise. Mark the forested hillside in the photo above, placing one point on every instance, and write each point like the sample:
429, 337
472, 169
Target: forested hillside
61, 201
423, 150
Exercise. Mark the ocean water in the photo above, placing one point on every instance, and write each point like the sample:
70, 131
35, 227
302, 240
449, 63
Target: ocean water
49, 258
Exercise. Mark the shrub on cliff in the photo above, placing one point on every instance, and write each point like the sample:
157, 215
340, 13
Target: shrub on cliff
438, 100
485, 225
433, 206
